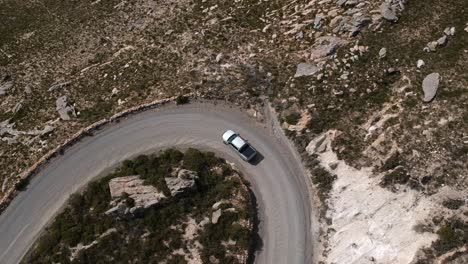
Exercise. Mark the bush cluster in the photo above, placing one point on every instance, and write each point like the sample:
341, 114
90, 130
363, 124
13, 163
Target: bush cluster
84, 221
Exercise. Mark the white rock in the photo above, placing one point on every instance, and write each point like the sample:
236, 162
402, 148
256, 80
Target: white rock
442, 41
217, 204
215, 216
420, 63
219, 57
431, 46
382, 53
450, 31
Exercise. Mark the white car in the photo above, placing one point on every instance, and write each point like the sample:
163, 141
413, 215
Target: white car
245, 150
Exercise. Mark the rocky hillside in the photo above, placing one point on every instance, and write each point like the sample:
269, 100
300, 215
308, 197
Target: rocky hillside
375, 87
181, 208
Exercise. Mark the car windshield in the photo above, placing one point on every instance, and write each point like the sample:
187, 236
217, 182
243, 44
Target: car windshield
231, 138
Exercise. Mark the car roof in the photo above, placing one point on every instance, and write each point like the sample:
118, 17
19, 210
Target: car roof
238, 142
228, 134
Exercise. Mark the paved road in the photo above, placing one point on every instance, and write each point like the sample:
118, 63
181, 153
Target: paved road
278, 181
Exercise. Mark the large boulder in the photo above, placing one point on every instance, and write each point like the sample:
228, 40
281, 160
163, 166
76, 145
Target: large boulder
430, 86
144, 196
182, 181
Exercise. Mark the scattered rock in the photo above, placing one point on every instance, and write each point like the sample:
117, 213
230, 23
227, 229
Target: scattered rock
442, 41
326, 46
318, 22
306, 69
28, 89
219, 57
184, 181
58, 86
217, 204
420, 63
47, 130
430, 85
392, 70
215, 216
17, 108
64, 108
120, 209
431, 46
115, 91
450, 31
321, 143
5, 84
382, 53
387, 12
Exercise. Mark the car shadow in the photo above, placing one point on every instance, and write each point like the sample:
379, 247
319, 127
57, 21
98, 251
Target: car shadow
257, 159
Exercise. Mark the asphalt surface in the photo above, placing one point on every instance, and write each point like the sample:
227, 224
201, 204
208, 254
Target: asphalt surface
277, 179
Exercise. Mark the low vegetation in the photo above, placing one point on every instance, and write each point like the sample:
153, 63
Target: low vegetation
452, 237
158, 233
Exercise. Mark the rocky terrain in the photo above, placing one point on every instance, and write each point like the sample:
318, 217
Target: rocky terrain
372, 92
184, 208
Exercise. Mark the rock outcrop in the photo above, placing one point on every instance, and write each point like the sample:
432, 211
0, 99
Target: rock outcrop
144, 196
182, 181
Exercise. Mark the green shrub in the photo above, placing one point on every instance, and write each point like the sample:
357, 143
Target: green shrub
182, 100
22, 183
324, 180
398, 176
78, 223
292, 118
452, 235
453, 204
